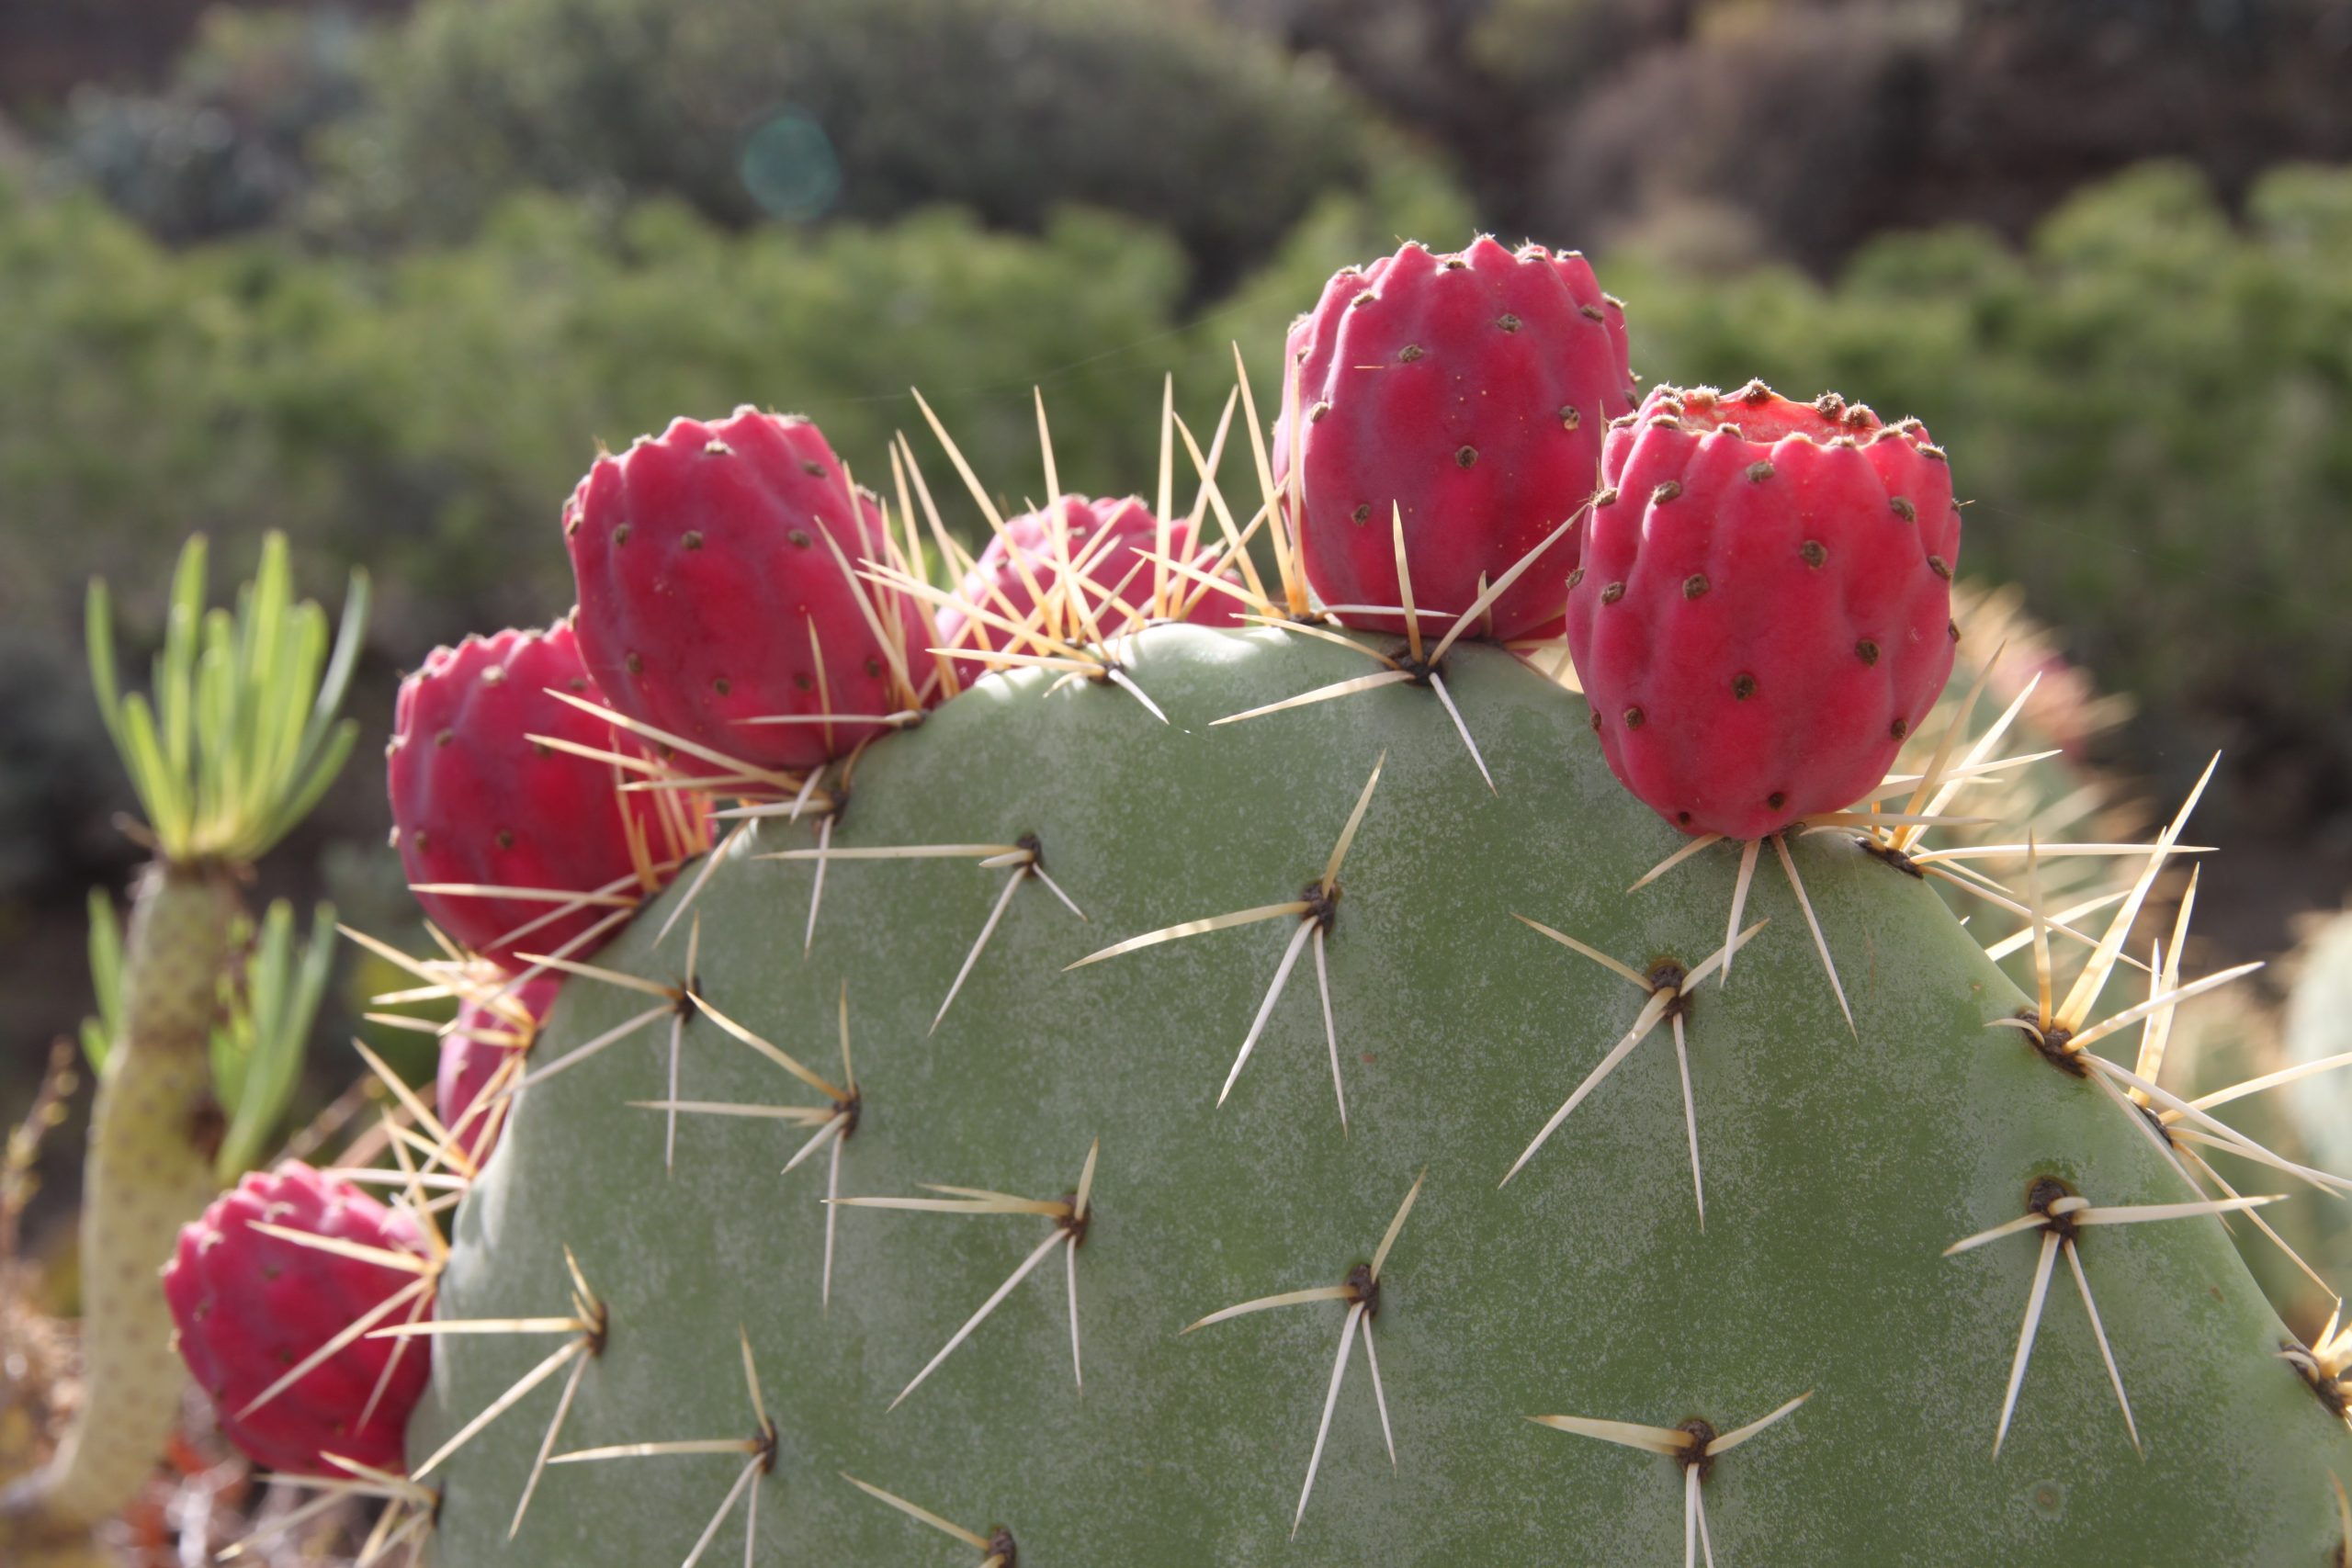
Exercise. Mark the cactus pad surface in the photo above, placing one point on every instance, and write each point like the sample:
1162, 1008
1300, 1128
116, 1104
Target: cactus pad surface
1838, 1166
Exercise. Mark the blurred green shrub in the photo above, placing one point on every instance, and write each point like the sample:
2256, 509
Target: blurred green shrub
861, 109
2152, 409
429, 414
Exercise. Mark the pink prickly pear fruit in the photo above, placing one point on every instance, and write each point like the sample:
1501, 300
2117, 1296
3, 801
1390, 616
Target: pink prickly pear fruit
1763, 611
251, 1307
1468, 393
475, 800
487, 1036
717, 574
1110, 543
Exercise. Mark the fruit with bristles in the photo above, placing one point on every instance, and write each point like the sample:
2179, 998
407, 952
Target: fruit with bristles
1466, 394
489, 790
1108, 546
276, 1270
1763, 611
718, 569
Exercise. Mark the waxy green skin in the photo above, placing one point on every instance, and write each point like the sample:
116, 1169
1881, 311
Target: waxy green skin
1837, 1169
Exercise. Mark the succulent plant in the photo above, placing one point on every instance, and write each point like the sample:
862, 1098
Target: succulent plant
1838, 1168
198, 1046
959, 1164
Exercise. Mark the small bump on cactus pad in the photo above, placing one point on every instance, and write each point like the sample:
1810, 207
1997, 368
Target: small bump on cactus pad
1763, 610
482, 798
1468, 393
253, 1307
717, 574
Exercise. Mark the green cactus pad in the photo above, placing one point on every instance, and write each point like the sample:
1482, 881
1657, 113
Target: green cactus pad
1838, 1166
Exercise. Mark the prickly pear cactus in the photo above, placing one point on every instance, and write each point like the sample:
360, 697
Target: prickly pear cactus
1015, 1312
1228, 1088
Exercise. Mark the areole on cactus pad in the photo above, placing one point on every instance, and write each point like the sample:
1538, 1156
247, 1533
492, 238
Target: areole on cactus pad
1163, 1106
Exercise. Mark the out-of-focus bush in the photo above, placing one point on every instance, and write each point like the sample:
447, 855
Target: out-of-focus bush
2152, 409
429, 414
225, 146
864, 108
426, 414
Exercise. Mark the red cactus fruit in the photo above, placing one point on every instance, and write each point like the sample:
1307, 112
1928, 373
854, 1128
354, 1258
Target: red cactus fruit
485, 1038
251, 1307
1764, 607
1112, 543
476, 801
1470, 392
717, 573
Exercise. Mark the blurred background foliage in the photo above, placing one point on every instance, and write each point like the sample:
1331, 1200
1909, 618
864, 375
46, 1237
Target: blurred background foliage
382, 275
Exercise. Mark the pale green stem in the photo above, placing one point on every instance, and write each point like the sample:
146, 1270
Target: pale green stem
149, 1172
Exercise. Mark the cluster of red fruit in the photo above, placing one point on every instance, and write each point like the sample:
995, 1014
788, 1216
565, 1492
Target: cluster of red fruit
1755, 593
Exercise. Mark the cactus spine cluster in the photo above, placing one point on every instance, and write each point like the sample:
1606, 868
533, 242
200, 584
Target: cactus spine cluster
1267, 1093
